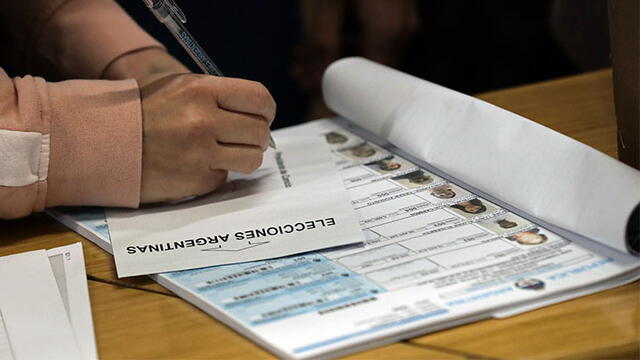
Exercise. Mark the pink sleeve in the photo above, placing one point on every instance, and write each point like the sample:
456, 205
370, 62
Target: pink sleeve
75, 142
69, 38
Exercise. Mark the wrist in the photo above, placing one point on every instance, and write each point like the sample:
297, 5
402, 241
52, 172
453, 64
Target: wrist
142, 63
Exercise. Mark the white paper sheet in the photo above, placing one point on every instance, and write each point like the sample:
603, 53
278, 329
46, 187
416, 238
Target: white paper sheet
6, 351
34, 317
294, 203
529, 166
67, 264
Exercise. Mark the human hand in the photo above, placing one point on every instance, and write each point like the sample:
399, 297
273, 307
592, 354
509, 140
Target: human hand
141, 63
198, 127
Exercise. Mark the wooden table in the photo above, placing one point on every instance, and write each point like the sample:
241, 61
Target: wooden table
136, 318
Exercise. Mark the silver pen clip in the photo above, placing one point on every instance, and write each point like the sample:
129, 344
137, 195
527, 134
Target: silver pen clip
175, 10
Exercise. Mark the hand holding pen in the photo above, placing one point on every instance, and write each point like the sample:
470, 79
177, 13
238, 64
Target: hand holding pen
196, 128
168, 13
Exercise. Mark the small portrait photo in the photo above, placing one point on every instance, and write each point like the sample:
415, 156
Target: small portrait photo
446, 192
471, 208
415, 179
530, 284
529, 237
335, 137
361, 152
390, 164
505, 223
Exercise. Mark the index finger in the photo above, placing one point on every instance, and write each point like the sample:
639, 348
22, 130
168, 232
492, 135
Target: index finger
245, 96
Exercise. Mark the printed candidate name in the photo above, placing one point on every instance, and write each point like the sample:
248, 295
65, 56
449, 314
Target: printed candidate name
243, 235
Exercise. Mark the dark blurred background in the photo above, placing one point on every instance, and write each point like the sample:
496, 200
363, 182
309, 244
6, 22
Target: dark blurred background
469, 46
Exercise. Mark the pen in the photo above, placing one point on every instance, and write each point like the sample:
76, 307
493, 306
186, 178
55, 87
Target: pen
168, 13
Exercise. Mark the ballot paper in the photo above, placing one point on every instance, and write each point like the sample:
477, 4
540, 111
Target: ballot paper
295, 202
542, 172
38, 314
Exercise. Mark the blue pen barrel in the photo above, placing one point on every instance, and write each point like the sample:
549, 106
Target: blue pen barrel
191, 46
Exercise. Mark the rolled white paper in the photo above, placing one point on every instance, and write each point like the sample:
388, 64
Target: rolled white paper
516, 160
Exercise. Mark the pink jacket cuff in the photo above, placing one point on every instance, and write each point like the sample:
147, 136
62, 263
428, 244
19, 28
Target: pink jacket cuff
96, 143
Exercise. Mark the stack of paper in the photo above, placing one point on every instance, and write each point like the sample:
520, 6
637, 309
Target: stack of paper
44, 306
